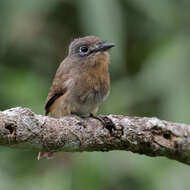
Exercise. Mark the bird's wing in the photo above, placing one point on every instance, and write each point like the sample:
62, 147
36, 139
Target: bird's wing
50, 101
58, 87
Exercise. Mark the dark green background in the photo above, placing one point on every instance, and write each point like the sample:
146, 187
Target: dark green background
150, 77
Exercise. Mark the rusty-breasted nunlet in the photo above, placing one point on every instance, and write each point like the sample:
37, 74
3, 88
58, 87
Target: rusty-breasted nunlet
82, 80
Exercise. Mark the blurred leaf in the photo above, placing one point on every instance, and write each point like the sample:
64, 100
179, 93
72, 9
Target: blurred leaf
164, 12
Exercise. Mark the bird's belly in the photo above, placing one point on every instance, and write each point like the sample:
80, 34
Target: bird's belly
88, 102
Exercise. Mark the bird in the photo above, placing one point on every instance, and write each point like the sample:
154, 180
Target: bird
81, 82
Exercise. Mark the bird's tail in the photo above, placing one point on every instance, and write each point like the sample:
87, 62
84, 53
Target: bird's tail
47, 155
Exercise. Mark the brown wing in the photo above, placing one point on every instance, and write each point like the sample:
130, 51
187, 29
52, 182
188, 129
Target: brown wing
58, 86
50, 102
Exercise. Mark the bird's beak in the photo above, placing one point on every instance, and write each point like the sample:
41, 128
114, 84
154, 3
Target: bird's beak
103, 46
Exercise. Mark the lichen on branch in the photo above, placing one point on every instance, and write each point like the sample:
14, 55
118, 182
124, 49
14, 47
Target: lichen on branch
21, 128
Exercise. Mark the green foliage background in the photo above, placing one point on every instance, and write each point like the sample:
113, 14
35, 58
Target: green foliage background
150, 77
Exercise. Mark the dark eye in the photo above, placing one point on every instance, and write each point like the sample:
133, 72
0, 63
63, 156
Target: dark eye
83, 49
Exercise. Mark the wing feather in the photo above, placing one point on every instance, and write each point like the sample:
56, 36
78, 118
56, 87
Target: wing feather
58, 87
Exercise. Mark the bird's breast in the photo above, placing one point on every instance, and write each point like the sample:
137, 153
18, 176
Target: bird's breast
91, 90
88, 90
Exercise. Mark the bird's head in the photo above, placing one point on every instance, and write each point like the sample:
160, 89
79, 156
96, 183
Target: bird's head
89, 48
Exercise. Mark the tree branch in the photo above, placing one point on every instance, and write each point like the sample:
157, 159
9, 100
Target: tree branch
21, 128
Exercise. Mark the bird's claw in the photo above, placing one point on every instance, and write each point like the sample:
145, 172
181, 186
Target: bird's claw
107, 123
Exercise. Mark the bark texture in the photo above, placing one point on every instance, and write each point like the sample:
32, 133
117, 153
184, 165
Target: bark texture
21, 128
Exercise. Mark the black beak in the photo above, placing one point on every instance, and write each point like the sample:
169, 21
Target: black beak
101, 47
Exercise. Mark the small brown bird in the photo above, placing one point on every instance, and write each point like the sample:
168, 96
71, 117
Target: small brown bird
82, 80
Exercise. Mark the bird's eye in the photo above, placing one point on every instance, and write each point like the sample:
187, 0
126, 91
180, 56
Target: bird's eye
83, 49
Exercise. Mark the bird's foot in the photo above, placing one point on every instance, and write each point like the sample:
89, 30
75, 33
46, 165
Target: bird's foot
107, 123
98, 118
